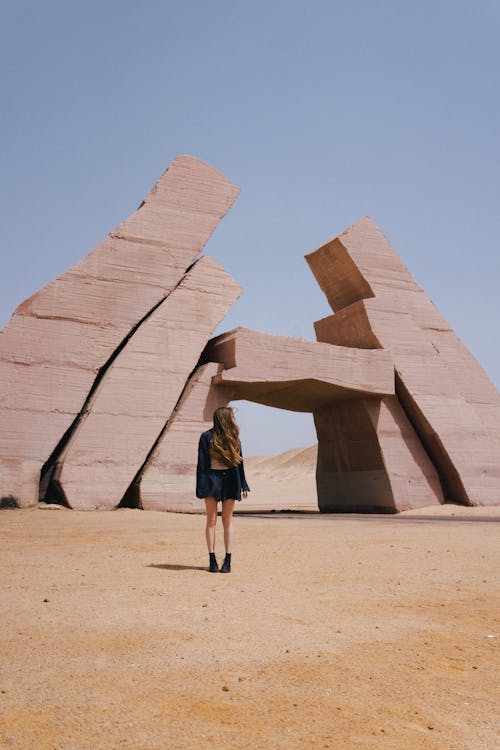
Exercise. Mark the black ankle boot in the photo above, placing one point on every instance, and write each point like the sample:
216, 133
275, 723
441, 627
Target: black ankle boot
213, 568
226, 565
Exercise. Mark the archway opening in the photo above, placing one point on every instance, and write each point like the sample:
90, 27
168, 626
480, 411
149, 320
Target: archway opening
280, 453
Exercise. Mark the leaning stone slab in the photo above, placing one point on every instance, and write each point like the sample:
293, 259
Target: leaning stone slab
448, 399
59, 339
168, 479
141, 389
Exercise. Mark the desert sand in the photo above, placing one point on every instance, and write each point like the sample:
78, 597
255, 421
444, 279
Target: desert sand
331, 631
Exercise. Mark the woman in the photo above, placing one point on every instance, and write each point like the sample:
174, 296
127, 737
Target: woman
220, 476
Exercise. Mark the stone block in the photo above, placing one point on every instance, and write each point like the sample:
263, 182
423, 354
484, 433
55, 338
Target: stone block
370, 459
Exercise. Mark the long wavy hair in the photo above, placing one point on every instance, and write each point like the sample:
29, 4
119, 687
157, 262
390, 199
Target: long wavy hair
225, 443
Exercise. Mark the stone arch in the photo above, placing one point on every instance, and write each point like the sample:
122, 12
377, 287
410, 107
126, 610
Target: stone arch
369, 458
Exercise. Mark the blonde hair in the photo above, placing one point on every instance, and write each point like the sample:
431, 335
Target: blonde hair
225, 443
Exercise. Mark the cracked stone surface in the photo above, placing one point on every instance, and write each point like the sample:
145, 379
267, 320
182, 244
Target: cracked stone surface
142, 387
57, 340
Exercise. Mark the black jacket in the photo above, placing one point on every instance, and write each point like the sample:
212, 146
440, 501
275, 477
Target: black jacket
207, 478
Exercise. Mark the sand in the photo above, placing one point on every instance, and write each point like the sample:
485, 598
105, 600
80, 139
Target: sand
331, 632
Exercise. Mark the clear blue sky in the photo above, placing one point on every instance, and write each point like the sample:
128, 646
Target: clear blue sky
320, 111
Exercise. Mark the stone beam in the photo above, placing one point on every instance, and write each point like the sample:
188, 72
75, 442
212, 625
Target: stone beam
296, 374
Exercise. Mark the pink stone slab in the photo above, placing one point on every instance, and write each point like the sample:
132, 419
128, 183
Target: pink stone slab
444, 392
169, 478
141, 388
371, 460
57, 340
350, 473
413, 478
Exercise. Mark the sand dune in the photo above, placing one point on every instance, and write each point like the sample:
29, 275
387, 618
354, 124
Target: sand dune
296, 460
283, 481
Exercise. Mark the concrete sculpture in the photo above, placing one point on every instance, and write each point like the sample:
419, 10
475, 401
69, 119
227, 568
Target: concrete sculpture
442, 390
350, 392
278, 371
109, 376
59, 342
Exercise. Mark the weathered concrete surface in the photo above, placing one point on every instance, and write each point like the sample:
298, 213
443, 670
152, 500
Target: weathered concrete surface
168, 480
58, 340
444, 392
412, 475
370, 459
141, 388
296, 374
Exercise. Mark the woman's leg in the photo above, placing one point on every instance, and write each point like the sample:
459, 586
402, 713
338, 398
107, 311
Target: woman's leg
211, 514
227, 522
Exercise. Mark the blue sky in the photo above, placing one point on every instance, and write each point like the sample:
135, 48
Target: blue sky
320, 111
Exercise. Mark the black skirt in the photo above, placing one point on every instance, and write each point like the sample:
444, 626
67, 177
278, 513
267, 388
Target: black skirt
224, 484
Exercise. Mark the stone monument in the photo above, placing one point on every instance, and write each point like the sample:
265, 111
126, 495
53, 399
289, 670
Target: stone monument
109, 373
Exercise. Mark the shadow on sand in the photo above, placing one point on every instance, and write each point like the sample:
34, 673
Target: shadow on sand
169, 566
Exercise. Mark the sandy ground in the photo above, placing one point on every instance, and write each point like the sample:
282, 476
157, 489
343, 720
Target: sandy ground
331, 632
